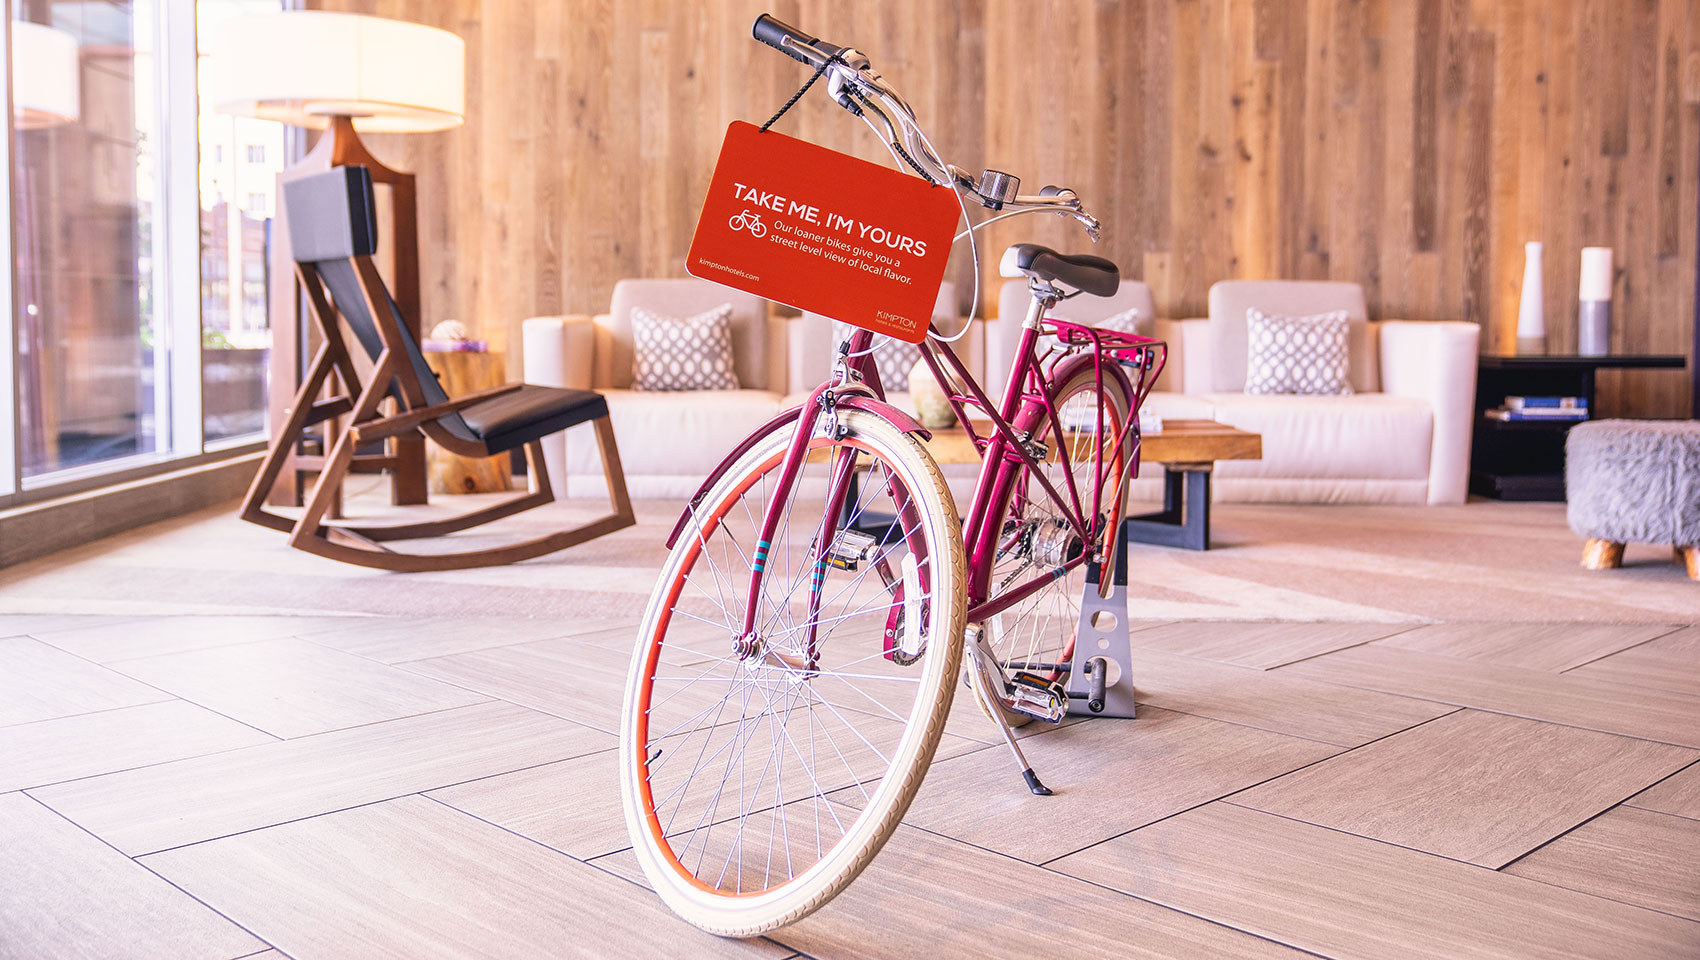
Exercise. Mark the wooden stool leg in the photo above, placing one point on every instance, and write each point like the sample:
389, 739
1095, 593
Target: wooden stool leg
1689, 557
1600, 554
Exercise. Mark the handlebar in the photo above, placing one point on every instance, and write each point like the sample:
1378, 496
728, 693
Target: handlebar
855, 85
792, 42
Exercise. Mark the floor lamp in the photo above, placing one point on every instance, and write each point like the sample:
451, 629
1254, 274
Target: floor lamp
345, 74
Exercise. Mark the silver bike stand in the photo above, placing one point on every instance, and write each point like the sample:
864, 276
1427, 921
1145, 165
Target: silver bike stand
1101, 683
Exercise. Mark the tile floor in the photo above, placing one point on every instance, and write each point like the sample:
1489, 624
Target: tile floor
323, 787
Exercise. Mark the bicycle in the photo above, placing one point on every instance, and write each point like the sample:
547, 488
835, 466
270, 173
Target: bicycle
748, 221
802, 646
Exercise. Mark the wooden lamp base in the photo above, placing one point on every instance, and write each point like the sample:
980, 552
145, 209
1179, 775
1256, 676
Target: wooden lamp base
404, 460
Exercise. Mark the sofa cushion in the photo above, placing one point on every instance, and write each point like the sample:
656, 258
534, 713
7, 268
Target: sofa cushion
1179, 406
817, 347
674, 434
1366, 435
683, 353
1013, 299
1230, 299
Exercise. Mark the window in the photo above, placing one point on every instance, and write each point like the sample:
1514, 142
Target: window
88, 200
137, 255
237, 204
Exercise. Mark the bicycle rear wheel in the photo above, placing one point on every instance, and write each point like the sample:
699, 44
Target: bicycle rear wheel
744, 763
1035, 536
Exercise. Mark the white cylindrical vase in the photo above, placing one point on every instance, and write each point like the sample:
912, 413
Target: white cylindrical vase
1593, 315
1531, 310
545, 345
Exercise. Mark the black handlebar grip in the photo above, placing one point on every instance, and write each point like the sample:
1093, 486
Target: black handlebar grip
774, 33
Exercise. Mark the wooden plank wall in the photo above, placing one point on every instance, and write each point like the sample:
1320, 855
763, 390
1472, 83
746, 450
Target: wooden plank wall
1411, 146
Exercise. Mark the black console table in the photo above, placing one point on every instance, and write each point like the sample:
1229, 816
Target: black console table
1524, 459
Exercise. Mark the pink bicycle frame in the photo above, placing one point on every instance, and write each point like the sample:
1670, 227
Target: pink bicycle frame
1029, 406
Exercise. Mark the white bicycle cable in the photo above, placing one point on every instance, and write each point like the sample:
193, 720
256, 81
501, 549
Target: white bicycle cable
896, 110
868, 90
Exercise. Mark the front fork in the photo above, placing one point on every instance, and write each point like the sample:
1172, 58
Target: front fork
795, 455
839, 506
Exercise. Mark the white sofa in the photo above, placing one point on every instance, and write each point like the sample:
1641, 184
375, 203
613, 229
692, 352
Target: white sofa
1402, 436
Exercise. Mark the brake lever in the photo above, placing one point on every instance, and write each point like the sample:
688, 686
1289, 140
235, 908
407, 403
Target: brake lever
840, 86
1094, 229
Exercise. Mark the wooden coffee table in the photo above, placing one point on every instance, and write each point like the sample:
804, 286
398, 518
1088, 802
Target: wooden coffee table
1188, 451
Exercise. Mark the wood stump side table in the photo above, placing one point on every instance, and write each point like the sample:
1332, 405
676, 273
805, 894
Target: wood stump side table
460, 373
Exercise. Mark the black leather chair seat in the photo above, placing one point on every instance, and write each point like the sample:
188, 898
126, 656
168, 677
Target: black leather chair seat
523, 415
1094, 275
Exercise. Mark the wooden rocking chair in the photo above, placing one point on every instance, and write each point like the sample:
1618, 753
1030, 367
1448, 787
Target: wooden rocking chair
333, 236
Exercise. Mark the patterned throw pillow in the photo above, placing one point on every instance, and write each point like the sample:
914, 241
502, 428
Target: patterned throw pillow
1296, 354
893, 358
690, 354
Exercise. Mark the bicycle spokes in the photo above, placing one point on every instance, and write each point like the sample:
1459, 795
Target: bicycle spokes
745, 759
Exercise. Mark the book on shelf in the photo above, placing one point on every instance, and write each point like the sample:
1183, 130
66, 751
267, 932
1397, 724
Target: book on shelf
1546, 403
1570, 414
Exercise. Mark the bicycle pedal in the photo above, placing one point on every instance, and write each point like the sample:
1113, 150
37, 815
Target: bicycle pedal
849, 548
1038, 698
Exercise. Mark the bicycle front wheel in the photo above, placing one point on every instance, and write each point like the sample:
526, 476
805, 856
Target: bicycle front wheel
761, 774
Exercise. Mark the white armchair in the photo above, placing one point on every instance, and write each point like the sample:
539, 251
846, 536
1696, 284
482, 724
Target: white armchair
669, 441
1402, 436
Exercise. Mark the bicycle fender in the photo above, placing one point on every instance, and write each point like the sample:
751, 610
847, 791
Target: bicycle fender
886, 412
783, 420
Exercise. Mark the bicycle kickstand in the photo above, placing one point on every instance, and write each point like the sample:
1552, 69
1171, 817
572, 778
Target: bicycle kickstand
989, 680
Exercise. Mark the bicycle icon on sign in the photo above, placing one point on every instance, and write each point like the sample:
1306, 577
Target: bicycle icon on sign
748, 221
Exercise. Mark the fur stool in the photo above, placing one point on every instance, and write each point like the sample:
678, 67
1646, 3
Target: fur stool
1634, 481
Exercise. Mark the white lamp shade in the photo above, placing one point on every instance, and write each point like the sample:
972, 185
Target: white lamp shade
44, 75
306, 66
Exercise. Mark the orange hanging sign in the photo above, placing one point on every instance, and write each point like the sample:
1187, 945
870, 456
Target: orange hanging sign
824, 232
